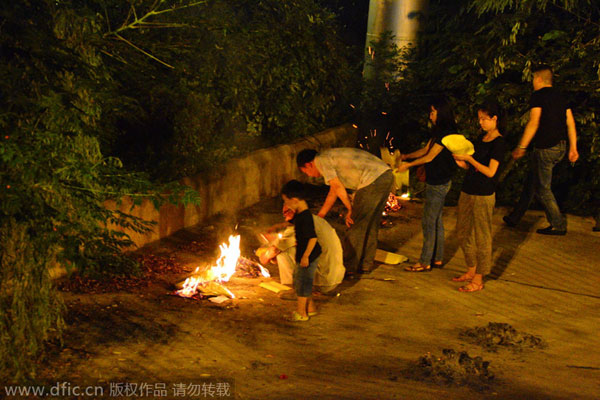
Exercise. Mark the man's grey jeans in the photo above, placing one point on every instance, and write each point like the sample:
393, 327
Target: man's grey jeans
538, 183
360, 241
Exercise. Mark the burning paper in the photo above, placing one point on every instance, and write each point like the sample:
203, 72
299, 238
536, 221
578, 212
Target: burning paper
209, 281
251, 269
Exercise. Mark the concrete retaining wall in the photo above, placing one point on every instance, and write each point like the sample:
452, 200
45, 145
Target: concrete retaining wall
241, 182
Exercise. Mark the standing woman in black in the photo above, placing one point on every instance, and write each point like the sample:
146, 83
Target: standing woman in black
439, 169
478, 197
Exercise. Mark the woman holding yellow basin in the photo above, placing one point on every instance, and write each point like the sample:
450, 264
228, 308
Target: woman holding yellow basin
439, 169
478, 197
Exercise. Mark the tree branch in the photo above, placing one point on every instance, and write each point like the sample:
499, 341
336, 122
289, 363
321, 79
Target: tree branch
138, 23
143, 51
588, 20
141, 22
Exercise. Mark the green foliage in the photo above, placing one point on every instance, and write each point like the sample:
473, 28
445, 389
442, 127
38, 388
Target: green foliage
528, 6
170, 87
54, 95
244, 74
564, 34
53, 171
473, 50
30, 309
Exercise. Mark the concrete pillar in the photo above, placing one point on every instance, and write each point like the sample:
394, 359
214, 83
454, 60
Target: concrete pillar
400, 17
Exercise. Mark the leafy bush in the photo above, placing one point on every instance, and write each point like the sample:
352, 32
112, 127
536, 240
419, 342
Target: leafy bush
30, 308
170, 87
471, 50
241, 74
54, 92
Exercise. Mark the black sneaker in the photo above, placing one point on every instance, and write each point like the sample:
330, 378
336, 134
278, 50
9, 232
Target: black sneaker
508, 221
551, 231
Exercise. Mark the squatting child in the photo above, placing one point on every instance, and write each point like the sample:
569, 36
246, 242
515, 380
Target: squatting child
307, 249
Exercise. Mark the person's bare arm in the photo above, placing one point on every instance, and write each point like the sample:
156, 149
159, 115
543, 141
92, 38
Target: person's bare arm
329, 202
431, 154
572, 135
530, 131
417, 153
312, 242
487, 170
461, 164
337, 190
277, 227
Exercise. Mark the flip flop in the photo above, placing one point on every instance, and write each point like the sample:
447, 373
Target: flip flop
312, 314
296, 317
471, 287
418, 268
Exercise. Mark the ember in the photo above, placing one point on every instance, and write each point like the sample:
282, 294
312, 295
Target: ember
392, 204
209, 281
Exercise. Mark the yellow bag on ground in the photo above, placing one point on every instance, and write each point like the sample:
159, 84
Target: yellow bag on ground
386, 257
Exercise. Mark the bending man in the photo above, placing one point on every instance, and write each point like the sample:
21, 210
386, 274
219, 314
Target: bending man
371, 178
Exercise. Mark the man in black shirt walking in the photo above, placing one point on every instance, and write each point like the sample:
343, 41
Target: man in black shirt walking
550, 126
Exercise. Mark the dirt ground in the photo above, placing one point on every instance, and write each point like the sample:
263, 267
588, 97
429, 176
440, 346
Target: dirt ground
369, 335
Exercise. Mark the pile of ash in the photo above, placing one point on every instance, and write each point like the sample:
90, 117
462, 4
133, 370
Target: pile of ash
452, 368
498, 334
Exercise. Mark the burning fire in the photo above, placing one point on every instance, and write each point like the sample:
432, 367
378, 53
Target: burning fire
222, 271
392, 204
227, 261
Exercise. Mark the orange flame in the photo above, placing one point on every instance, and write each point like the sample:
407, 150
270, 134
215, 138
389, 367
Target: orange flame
227, 261
222, 271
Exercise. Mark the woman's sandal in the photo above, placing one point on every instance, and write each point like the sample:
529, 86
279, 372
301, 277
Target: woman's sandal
312, 313
418, 267
462, 278
471, 287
